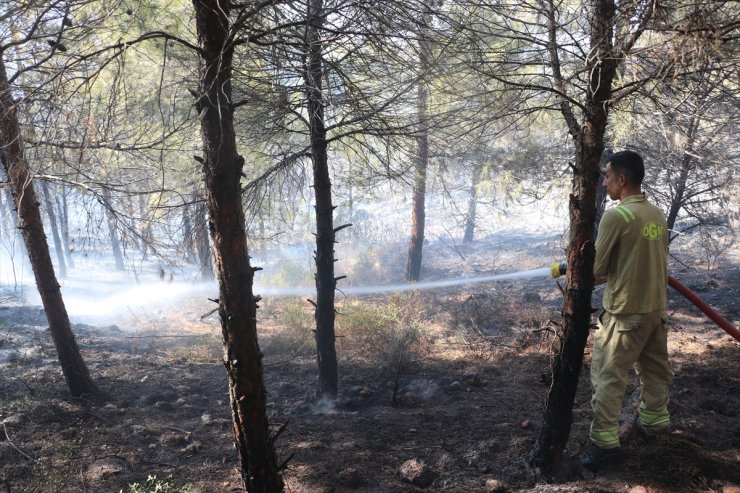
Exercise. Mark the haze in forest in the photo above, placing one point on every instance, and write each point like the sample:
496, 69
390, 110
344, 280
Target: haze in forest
95, 293
154, 150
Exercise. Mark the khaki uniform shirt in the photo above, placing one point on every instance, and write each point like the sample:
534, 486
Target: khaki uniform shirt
631, 256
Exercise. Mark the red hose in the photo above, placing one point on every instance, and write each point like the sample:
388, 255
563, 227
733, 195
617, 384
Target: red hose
708, 310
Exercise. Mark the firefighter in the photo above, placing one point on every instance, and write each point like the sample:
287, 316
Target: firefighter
631, 258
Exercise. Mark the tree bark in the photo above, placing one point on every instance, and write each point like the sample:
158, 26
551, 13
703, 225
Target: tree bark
49, 205
32, 229
589, 145
325, 281
416, 243
222, 169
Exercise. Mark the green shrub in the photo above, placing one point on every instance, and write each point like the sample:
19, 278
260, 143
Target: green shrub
288, 273
376, 333
295, 323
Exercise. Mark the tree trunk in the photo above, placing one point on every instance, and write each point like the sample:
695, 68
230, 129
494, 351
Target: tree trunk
32, 229
3, 212
472, 203
201, 240
145, 230
416, 243
567, 363
63, 210
222, 169
350, 197
325, 281
677, 198
680, 184
600, 192
115, 243
676, 201
49, 205
188, 240
14, 238
589, 144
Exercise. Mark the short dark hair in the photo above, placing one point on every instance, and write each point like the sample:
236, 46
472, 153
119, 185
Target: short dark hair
628, 163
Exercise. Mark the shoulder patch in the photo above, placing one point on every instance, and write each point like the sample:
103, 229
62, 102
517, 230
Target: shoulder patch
653, 230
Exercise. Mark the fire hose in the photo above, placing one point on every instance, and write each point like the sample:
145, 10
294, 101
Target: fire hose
701, 305
558, 269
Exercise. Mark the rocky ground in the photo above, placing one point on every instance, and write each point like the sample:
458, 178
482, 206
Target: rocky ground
440, 391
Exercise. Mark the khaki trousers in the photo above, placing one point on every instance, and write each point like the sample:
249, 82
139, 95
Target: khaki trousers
621, 342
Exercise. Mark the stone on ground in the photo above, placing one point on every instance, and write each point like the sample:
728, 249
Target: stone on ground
416, 472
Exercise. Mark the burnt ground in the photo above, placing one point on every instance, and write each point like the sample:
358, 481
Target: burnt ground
454, 378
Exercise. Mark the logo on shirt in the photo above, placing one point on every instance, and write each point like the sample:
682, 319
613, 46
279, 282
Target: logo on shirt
653, 231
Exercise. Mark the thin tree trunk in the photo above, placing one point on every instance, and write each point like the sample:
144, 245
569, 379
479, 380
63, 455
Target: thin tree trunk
201, 240
32, 229
3, 212
350, 197
14, 239
677, 199
472, 204
261, 225
416, 242
600, 192
589, 145
49, 206
63, 210
678, 195
188, 240
115, 243
325, 281
147, 234
222, 168
567, 363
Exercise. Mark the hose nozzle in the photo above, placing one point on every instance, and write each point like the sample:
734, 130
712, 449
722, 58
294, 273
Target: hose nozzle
558, 269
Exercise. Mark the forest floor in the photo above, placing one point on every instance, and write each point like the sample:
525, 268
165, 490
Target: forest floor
454, 378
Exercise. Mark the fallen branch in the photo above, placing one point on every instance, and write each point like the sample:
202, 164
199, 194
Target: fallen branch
274, 436
188, 433
209, 313
162, 336
284, 464
163, 464
7, 438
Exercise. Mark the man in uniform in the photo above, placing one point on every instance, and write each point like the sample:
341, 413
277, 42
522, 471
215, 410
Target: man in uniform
631, 251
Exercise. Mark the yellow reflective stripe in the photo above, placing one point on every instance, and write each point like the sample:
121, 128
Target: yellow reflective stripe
626, 214
650, 419
608, 438
621, 213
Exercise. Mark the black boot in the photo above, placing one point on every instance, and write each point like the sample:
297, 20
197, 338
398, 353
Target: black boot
594, 458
